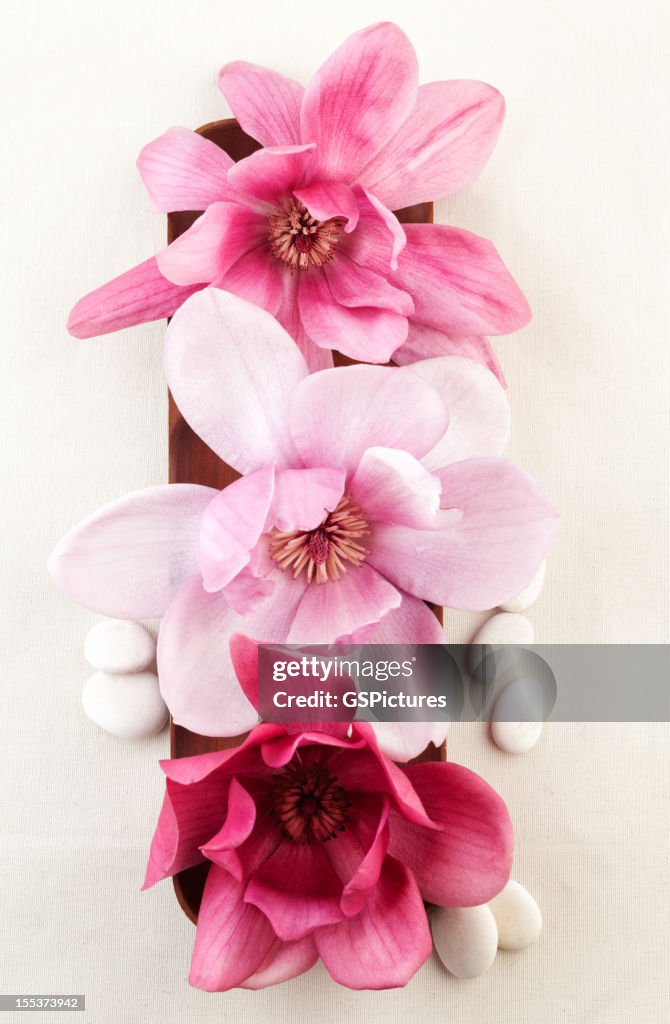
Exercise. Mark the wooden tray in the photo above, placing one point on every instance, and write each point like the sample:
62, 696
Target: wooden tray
192, 462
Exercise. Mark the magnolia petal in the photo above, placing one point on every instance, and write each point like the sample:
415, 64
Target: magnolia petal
484, 556
130, 558
266, 104
210, 247
221, 848
403, 741
335, 609
258, 277
231, 526
304, 496
288, 315
285, 960
270, 176
352, 285
378, 239
328, 199
366, 406
468, 862
297, 889
181, 170
458, 282
359, 98
384, 945
479, 412
424, 342
244, 656
394, 487
412, 622
247, 591
139, 295
232, 371
233, 938
196, 674
442, 147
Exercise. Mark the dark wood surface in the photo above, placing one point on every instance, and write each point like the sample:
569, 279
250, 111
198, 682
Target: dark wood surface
191, 461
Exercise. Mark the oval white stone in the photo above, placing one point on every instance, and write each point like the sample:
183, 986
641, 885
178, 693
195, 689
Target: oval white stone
517, 916
117, 645
515, 737
465, 939
129, 706
518, 714
529, 594
505, 628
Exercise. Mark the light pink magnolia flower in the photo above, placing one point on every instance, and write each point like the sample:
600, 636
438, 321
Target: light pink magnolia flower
303, 227
366, 490
321, 847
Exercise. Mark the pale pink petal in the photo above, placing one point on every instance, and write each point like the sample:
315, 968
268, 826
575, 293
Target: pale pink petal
258, 277
285, 960
231, 526
485, 557
181, 170
337, 414
385, 944
130, 557
139, 295
412, 622
442, 147
363, 332
270, 176
304, 496
359, 98
327, 199
196, 674
378, 239
247, 592
232, 939
220, 237
266, 104
331, 610
232, 371
479, 413
353, 285
403, 741
297, 889
424, 342
458, 282
468, 861
393, 487
221, 847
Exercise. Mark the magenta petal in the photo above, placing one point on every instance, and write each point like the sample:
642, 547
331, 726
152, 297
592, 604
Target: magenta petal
194, 667
269, 176
394, 487
285, 960
297, 889
352, 285
362, 332
424, 342
232, 939
304, 496
468, 861
385, 944
458, 282
139, 295
240, 820
258, 277
442, 147
358, 99
244, 656
131, 557
182, 170
484, 556
366, 406
327, 199
266, 104
378, 239
360, 886
335, 609
231, 526
210, 247
232, 370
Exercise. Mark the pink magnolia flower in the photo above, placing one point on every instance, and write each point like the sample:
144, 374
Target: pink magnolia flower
303, 227
320, 846
366, 490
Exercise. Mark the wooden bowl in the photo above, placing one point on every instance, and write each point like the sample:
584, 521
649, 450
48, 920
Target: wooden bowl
192, 462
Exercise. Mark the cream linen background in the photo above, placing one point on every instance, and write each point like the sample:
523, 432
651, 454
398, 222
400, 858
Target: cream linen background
574, 198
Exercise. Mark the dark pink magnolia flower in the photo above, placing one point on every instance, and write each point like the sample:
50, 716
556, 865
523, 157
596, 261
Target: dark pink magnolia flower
320, 846
365, 491
303, 227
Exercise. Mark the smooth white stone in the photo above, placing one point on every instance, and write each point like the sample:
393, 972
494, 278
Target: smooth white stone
518, 714
505, 628
517, 916
465, 939
502, 630
117, 645
529, 594
515, 737
129, 706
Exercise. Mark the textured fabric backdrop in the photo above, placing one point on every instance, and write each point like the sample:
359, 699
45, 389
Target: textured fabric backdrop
573, 197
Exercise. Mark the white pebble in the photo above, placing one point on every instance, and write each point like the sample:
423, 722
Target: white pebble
129, 706
117, 645
505, 628
517, 916
518, 713
515, 737
465, 939
529, 594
